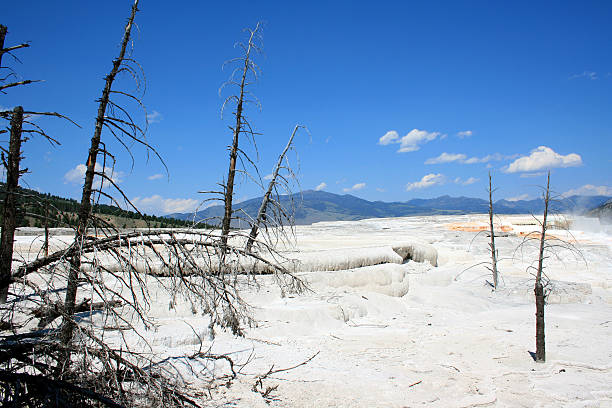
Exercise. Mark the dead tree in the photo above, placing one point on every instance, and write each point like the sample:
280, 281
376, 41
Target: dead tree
3, 31
9, 211
84, 217
546, 246
12, 164
46, 227
492, 244
248, 71
540, 354
492, 264
267, 198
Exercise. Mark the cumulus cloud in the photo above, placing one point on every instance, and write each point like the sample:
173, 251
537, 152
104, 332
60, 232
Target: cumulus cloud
519, 198
321, 186
464, 134
427, 181
159, 205
589, 189
77, 175
543, 158
410, 142
155, 177
355, 187
446, 158
154, 117
388, 138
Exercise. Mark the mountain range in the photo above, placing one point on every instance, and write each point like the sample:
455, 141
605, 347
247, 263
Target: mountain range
313, 206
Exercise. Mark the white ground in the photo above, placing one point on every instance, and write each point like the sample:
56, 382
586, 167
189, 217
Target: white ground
408, 335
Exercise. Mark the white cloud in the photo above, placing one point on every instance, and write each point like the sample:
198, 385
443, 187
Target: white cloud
487, 158
427, 181
388, 138
586, 74
467, 182
355, 187
321, 186
155, 177
268, 176
465, 133
589, 189
462, 158
543, 158
446, 158
154, 117
77, 175
411, 141
519, 197
159, 205
380, 190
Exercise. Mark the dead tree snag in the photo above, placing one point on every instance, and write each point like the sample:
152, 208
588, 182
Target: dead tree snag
9, 210
492, 244
267, 199
248, 69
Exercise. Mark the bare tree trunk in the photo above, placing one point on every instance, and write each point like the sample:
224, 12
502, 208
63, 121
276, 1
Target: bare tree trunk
231, 173
539, 288
9, 221
3, 31
261, 214
85, 208
46, 228
492, 244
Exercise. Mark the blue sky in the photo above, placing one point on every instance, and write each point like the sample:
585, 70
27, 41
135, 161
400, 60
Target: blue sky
402, 99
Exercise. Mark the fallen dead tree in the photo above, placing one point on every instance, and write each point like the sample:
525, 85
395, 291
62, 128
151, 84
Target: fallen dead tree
108, 362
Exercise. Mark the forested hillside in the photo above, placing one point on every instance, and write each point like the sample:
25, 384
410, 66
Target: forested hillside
35, 208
